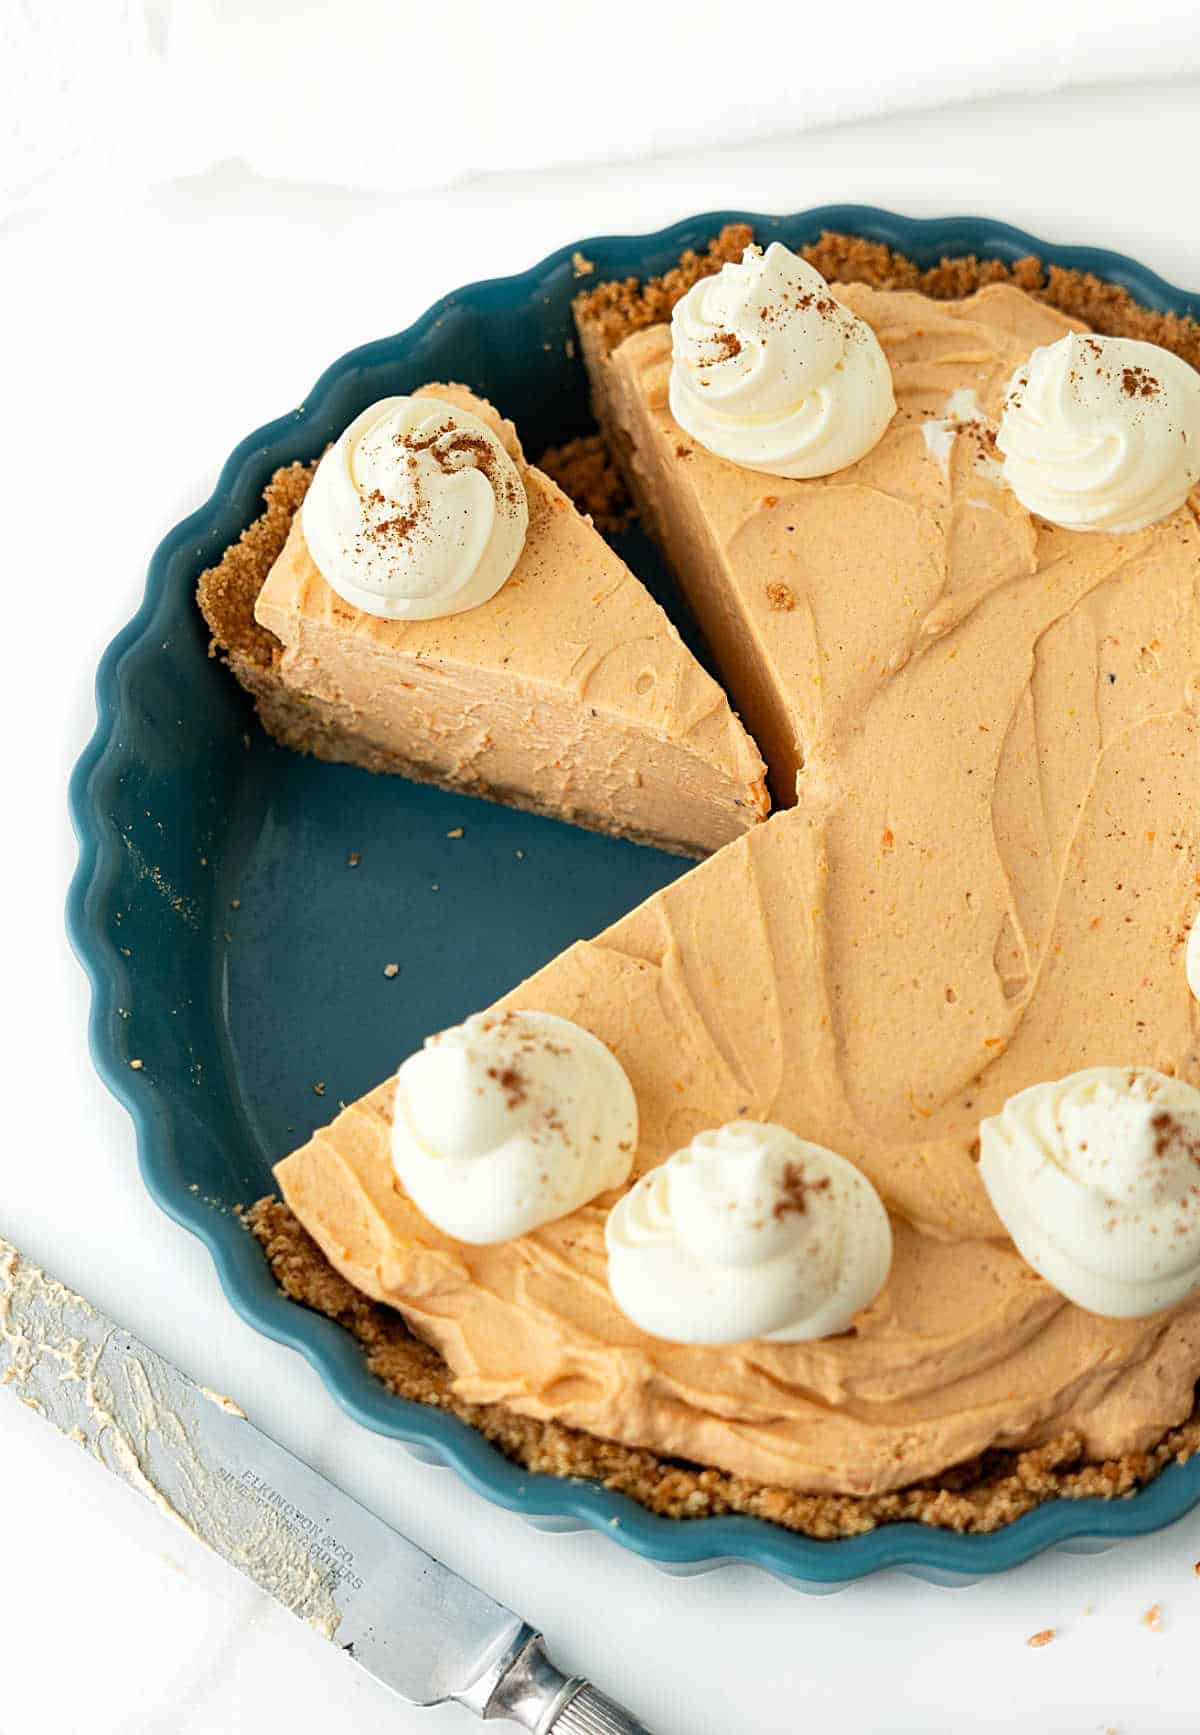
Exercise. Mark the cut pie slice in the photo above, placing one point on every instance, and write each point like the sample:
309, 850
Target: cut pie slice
569, 693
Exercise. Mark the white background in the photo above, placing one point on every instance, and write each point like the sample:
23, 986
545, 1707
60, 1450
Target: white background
147, 326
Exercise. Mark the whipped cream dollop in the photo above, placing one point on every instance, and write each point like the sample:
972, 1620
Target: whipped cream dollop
417, 511
509, 1121
1097, 1179
749, 1232
1102, 433
771, 372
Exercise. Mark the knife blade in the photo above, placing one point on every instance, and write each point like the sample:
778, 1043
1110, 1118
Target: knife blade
427, 1634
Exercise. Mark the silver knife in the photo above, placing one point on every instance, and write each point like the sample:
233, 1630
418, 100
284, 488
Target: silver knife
401, 1615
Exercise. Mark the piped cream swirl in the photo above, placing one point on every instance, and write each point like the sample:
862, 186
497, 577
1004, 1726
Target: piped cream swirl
749, 1232
771, 372
1102, 433
509, 1121
416, 512
1097, 1179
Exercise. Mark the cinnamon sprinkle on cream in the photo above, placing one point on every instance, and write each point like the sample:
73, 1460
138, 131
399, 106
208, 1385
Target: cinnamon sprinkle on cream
796, 1187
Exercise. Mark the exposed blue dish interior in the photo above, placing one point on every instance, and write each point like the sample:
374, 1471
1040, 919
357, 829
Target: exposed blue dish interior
182, 808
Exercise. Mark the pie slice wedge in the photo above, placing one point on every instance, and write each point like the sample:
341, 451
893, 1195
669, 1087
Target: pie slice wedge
569, 693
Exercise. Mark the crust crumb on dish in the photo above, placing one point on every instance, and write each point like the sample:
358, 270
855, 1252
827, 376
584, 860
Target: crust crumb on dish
584, 470
1045, 1637
617, 309
973, 1498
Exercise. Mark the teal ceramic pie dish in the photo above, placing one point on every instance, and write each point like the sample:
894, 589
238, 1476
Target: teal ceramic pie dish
234, 951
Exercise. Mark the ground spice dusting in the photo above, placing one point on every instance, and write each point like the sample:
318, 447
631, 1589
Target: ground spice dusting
794, 1191
402, 526
512, 1083
780, 598
1172, 1138
1137, 382
728, 345
414, 442
461, 443
979, 431
452, 449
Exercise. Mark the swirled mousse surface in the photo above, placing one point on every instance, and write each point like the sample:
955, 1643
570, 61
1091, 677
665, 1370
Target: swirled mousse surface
813, 593
569, 691
988, 880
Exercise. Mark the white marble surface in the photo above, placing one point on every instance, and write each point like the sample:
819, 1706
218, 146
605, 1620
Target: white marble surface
142, 338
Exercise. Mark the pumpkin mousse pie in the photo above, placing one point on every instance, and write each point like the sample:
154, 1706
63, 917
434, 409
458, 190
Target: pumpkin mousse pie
426, 602
855, 1175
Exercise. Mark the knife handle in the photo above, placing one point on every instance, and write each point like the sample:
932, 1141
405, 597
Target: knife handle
531, 1691
591, 1712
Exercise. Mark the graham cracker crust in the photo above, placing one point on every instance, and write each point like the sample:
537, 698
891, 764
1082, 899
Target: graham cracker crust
973, 1498
585, 471
614, 310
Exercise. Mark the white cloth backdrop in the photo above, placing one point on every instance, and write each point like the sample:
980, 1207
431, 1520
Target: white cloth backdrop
388, 94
